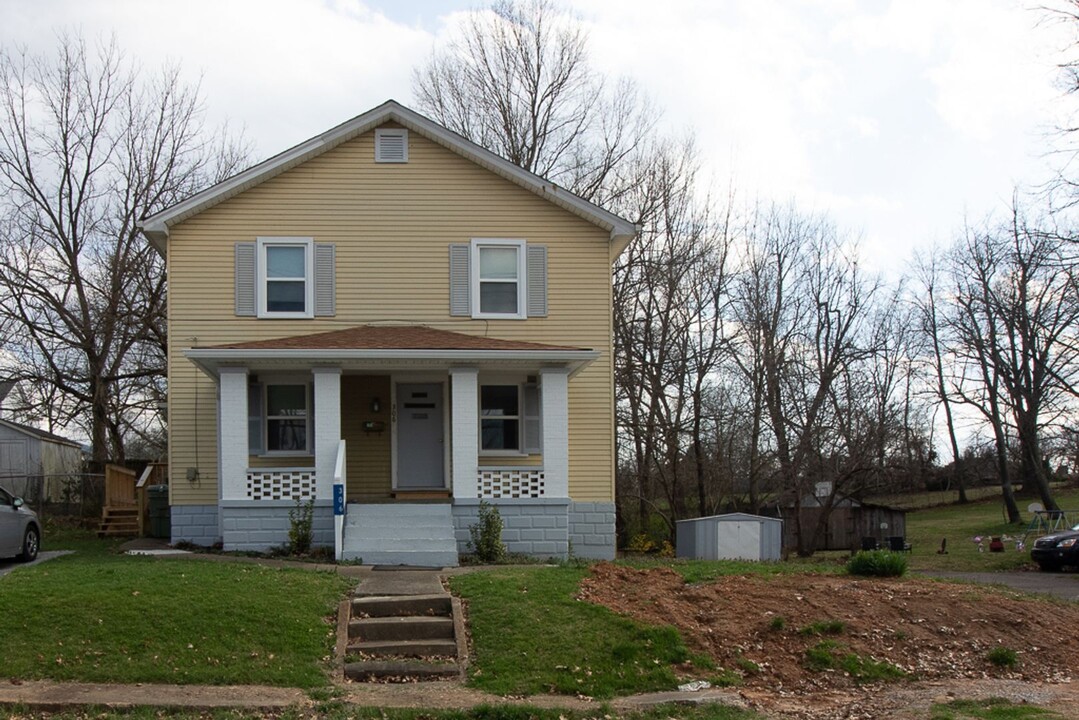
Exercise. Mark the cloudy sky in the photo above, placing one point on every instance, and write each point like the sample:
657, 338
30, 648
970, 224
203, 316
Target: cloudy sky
898, 118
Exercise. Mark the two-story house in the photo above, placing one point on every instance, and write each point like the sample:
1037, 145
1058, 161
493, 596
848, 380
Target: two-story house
391, 308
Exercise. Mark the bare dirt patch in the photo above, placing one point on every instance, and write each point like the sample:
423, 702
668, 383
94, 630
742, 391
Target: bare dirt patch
935, 632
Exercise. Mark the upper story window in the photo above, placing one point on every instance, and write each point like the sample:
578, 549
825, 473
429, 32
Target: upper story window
285, 281
498, 272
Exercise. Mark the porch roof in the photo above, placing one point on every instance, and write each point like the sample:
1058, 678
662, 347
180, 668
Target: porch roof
390, 347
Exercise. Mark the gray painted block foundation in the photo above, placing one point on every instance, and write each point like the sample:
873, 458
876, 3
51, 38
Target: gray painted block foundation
261, 525
591, 530
196, 524
537, 526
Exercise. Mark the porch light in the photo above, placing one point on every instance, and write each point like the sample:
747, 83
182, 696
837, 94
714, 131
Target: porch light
375, 405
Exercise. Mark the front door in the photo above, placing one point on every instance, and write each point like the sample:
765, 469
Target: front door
419, 437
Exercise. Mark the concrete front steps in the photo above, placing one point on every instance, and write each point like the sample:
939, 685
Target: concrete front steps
403, 533
402, 638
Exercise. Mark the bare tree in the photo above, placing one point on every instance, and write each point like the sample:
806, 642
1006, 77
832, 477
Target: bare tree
87, 148
1016, 315
516, 79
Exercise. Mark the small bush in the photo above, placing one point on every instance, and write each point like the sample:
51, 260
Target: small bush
820, 656
824, 627
486, 535
641, 543
777, 623
300, 519
877, 563
748, 666
1003, 657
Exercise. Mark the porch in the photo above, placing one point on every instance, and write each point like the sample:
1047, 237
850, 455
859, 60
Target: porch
395, 446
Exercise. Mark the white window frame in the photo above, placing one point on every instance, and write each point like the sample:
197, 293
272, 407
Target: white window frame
308, 244
391, 132
309, 440
474, 266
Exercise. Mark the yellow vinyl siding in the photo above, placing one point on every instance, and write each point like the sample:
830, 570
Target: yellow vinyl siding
392, 225
367, 454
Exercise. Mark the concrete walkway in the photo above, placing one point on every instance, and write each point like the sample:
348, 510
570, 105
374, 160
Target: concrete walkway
380, 581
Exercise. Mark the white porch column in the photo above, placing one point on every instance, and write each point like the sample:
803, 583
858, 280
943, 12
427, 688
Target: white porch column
232, 433
465, 417
554, 417
327, 428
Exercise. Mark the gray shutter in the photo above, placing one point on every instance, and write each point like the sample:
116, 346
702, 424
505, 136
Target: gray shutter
245, 279
537, 280
254, 418
460, 281
325, 282
533, 439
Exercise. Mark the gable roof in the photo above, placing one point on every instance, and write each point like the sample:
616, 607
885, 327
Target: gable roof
37, 433
156, 227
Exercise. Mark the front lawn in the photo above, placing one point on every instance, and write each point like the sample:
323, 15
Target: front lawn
100, 617
532, 636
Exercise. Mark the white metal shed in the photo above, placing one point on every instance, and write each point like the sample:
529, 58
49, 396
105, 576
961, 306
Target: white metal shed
734, 536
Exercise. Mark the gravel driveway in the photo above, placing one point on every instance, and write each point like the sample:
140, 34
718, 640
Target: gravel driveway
1064, 585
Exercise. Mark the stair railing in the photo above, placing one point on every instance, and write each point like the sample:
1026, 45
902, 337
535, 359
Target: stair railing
339, 502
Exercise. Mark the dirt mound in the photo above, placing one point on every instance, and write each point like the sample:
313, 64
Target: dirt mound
929, 630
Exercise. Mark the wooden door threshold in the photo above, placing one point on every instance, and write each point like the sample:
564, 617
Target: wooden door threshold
421, 494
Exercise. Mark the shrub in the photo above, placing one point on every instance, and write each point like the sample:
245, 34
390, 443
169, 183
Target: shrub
1003, 657
486, 535
877, 563
300, 519
777, 623
641, 543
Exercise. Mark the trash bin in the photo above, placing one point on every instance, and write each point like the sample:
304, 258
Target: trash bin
158, 510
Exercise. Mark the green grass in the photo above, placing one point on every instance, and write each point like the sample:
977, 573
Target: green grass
341, 711
991, 709
531, 636
961, 523
829, 655
99, 617
1003, 657
823, 627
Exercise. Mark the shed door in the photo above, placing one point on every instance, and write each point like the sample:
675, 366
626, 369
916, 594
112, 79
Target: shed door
737, 540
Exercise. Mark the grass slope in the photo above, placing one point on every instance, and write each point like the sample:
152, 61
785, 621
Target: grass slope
96, 617
960, 524
531, 636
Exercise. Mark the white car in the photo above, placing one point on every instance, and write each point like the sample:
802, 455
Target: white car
20, 530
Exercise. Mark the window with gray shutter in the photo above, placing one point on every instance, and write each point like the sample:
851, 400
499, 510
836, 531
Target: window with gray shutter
537, 280
245, 279
254, 419
460, 281
532, 441
325, 305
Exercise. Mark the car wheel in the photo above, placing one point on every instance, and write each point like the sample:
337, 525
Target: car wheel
1049, 567
31, 543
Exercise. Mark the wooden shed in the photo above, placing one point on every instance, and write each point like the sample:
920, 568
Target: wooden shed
848, 522
734, 536
34, 463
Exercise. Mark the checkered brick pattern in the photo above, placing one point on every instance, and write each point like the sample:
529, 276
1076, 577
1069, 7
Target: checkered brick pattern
511, 484
281, 484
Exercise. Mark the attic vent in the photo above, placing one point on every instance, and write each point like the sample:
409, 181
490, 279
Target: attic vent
391, 145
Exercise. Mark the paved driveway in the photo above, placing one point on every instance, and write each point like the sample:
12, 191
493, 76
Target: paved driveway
1064, 585
9, 564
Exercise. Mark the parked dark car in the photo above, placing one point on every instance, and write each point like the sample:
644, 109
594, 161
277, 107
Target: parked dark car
20, 530
1053, 551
